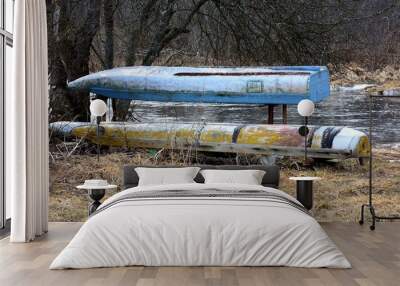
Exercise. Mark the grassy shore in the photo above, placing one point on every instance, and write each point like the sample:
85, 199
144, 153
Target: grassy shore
338, 196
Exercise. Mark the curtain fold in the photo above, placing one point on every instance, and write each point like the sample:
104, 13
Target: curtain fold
27, 124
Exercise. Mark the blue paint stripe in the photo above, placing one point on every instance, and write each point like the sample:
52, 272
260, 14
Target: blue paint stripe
252, 98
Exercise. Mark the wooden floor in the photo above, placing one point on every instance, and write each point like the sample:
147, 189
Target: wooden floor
375, 257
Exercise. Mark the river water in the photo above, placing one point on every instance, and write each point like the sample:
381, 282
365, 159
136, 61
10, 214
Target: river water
340, 109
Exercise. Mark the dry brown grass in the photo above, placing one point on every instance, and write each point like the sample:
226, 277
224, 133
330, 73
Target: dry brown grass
338, 196
353, 73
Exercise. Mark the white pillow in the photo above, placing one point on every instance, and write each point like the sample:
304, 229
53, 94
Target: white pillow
248, 177
166, 176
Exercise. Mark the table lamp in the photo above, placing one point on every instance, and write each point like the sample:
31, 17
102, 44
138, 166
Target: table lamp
305, 108
98, 108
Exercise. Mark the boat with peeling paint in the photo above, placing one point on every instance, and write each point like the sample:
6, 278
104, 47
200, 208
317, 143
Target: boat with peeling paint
232, 85
324, 141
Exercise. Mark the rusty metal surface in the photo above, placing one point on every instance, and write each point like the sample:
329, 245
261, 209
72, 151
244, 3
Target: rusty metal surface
233, 85
221, 136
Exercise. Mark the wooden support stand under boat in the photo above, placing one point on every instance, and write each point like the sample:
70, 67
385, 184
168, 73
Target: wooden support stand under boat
271, 114
284, 114
271, 117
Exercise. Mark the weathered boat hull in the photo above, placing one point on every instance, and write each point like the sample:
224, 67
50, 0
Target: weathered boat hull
324, 142
235, 85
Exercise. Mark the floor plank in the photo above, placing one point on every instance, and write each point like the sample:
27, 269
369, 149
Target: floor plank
375, 257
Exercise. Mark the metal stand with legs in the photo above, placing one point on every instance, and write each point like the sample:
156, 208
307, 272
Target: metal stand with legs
370, 205
98, 120
304, 131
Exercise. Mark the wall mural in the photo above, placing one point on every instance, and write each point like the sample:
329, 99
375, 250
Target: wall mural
204, 82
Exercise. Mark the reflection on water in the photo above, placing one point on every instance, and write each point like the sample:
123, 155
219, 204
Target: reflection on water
340, 109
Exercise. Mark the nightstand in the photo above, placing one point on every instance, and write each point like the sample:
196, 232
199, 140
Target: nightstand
304, 190
96, 191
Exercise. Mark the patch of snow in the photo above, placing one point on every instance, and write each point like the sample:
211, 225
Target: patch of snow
353, 88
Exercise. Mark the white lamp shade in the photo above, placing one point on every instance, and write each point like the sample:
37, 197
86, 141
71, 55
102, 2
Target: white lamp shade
98, 107
305, 107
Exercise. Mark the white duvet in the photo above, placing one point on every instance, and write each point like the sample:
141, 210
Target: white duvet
200, 231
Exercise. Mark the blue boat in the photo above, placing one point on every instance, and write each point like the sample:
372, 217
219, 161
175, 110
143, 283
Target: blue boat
233, 85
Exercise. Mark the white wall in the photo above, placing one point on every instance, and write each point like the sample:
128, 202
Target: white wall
9, 12
9, 27
8, 85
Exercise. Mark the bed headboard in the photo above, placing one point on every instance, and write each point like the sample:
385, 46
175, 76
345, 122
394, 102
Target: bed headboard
130, 178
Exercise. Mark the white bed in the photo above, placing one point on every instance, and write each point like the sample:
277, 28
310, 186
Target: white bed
185, 230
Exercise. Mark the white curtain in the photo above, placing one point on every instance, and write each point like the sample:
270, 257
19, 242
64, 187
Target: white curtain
27, 124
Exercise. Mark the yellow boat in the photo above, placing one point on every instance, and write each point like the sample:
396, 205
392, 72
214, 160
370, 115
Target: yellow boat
323, 142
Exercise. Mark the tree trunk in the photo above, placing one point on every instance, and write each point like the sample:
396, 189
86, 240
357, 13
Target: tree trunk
108, 11
58, 100
73, 45
131, 53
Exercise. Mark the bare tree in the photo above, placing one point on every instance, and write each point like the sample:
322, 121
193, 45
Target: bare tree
90, 35
74, 27
108, 12
167, 31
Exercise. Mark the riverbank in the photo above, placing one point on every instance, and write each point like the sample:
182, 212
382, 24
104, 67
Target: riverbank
353, 74
338, 196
